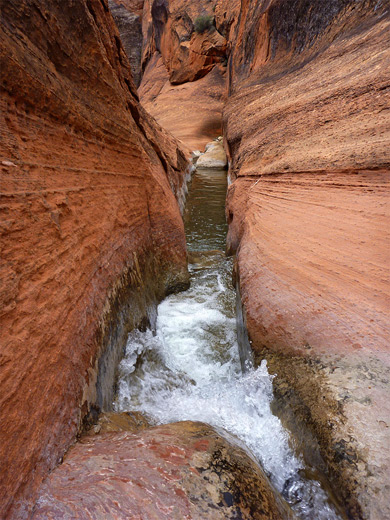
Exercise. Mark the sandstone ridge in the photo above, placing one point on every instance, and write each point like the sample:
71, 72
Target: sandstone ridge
184, 68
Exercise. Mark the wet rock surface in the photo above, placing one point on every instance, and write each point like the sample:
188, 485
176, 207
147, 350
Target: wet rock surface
92, 235
175, 471
91, 232
117, 422
307, 212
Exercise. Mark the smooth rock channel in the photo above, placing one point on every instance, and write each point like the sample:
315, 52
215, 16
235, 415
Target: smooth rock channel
189, 368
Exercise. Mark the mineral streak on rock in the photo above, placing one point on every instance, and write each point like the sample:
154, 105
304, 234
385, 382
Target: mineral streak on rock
175, 471
128, 18
91, 233
307, 128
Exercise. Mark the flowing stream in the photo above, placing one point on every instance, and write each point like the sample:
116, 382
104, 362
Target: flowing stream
189, 368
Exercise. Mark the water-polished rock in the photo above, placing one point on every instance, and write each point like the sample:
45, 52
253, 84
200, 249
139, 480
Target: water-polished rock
307, 126
213, 158
176, 471
118, 422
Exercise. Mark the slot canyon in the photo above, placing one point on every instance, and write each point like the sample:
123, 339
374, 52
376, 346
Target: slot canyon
194, 259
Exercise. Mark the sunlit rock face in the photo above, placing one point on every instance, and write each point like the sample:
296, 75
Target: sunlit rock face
175, 471
184, 68
307, 129
91, 232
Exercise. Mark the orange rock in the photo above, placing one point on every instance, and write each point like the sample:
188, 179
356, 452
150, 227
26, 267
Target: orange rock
183, 82
169, 28
308, 133
91, 233
227, 14
192, 112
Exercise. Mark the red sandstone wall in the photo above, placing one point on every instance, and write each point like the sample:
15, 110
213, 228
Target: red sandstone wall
307, 128
88, 210
310, 150
184, 72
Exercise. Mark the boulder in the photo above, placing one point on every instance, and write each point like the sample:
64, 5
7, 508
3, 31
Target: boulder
195, 155
214, 157
175, 471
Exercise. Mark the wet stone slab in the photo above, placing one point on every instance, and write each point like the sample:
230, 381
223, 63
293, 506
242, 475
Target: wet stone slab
178, 471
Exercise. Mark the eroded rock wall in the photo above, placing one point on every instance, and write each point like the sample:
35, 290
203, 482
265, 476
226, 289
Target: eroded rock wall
307, 129
91, 232
128, 18
184, 70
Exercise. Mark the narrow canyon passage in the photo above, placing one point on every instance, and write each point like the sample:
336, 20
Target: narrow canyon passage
104, 108
190, 368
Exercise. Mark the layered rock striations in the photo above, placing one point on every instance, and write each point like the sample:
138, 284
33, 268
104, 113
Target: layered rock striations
307, 129
91, 232
184, 69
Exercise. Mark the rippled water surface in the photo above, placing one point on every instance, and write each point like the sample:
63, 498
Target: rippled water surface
190, 369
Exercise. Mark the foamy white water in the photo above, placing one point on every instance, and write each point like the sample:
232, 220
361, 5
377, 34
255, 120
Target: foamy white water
190, 370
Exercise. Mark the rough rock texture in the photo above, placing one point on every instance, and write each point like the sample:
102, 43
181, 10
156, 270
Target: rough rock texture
307, 128
91, 233
184, 71
169, 28
227, 15
117, 422
128, 18
175, 471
